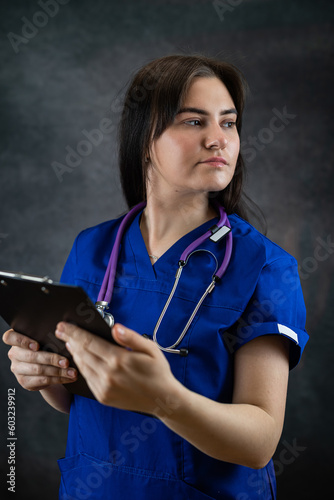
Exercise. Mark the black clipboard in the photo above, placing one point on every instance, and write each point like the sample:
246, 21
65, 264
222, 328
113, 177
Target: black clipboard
33, 306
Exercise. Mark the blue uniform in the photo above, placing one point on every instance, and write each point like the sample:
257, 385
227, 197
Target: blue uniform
118, 454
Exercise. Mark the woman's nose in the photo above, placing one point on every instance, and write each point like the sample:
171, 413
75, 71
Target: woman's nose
215, 137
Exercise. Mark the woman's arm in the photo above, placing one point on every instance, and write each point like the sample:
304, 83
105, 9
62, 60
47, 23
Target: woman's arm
245, 432
58, 397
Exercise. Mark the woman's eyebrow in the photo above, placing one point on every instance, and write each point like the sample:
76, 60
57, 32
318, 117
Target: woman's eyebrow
205, 113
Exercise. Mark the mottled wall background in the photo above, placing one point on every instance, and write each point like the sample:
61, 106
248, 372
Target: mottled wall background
63, 64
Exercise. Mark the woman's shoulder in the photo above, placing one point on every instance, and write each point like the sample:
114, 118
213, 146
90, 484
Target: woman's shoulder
248, 240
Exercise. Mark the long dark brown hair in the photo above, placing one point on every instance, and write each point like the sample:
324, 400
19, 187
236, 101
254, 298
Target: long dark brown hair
152, 100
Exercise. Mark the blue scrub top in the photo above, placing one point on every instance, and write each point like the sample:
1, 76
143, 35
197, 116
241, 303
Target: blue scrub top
118, 454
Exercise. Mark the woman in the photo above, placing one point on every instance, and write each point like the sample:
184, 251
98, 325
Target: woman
203, 424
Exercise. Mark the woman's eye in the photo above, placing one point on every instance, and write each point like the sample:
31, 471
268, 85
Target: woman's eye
193, 122
229, 124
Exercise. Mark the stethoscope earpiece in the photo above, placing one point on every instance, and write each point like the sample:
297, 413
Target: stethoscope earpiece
183, 352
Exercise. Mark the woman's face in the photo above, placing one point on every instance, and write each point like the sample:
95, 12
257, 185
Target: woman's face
198, 152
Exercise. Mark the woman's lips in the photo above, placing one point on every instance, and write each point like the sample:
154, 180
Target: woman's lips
218, 161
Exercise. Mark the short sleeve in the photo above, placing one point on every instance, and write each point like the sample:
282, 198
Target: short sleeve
276, 307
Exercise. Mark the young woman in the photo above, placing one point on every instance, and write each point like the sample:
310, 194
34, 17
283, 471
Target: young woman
190, 404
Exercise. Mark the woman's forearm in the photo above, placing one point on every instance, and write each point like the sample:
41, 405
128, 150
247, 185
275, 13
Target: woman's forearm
58, 397
239, 433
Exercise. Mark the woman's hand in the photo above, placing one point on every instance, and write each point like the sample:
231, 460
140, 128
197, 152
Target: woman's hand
34, 369
137, 377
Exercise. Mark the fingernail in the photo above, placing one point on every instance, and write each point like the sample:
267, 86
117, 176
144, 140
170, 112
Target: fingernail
63, 363
71, 373
59, 333
33, 346
60, 327
121, 330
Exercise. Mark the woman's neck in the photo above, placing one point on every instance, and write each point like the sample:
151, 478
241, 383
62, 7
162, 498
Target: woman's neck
165, 221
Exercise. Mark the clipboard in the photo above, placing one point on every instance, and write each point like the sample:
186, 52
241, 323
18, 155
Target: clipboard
33, 305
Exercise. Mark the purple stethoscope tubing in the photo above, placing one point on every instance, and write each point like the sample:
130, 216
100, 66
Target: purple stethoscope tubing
107, 287
215, 233
223, 221
106, 291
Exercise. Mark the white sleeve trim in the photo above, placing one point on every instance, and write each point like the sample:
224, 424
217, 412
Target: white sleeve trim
288, 332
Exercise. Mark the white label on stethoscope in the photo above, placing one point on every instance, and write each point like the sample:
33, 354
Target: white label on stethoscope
218, 235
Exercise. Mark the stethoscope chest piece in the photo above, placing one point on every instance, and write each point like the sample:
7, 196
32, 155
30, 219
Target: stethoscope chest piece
101, 306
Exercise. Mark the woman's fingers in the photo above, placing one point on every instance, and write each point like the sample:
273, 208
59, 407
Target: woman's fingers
130, 375
10, 337
40, 357
89, 351
76, 337
79, 340
32, 383
22, 368
34, 376
132, 340
35, 369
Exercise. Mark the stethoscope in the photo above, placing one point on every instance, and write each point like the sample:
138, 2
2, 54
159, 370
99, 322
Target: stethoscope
215, 233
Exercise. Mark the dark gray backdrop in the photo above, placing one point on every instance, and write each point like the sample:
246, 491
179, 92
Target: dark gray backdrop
62, 68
